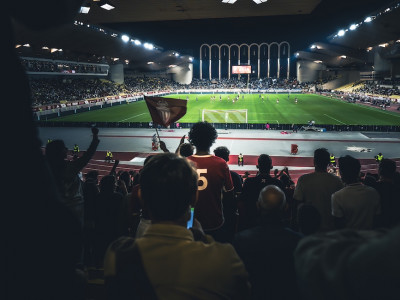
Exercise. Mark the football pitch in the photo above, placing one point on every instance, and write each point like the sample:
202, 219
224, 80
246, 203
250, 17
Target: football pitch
256, 108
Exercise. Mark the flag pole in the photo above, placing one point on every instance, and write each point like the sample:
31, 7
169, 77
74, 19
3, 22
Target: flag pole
158, 134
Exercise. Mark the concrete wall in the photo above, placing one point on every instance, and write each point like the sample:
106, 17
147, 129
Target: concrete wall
381, 64
345, 77
182, 74
308, 71
116, 73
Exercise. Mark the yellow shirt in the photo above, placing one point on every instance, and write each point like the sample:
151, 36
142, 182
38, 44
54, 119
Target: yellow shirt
180, 268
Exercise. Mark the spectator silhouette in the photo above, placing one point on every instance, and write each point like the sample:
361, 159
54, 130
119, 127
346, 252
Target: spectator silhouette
389, 191
165, 253
252, 187
90, 193
267, 249
111, 217
356, 205
349, 264
317, 188
308, 219
66, 172
230, 207
42, 242
186, 150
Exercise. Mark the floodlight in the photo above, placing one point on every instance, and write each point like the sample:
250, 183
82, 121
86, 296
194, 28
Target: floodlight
353, 27
26, 45
148, 46
341, 32
176, 54
368, 19
297, 54
150, 62
191, 58
229, 1
106, 5
343, 56
125, 38
259, 1
137, 42
84, 9
318, 61
313, 46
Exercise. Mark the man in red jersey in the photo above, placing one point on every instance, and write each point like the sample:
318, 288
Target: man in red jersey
215, 181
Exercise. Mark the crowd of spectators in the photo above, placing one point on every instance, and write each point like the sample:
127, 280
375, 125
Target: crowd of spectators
382, 88
55, 221
54, 90
262, 231
51, 66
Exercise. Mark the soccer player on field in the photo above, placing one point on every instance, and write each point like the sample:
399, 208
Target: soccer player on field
277, 100
214, 179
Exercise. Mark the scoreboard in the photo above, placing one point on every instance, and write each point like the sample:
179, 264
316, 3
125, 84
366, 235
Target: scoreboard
241, 69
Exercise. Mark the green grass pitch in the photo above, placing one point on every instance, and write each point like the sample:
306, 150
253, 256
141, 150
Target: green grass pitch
321, 109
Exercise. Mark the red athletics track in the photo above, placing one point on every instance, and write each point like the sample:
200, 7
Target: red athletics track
297, 165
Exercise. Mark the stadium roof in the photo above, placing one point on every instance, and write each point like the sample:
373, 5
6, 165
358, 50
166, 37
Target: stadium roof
162, 10
173, 23
349, 46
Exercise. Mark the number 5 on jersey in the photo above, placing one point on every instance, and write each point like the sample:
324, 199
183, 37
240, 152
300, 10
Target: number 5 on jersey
202, 179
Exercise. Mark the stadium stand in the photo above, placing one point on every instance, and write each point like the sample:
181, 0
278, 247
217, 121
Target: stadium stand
274, 240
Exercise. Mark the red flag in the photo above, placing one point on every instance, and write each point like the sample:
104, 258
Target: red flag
165, 111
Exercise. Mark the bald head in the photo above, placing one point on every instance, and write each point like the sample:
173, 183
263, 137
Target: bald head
271, 200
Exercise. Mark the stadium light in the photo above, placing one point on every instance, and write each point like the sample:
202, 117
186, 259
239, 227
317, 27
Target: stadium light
353, 27
297, 54
341, 32
343, 56
106, 5
368, 19
85, 8
125, 38
260, 1
229, 1
26, 45
176, 54
313, 46
318, 61
148, 46
150, 62
137, 42
190, 58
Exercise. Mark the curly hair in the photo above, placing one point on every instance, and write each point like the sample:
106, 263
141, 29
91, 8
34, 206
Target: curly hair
202, 135
222, 152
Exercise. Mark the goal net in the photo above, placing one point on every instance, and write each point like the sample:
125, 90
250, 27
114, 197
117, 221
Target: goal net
224, 115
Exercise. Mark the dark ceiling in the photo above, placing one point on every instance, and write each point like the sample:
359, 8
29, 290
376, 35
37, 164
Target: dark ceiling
128, 11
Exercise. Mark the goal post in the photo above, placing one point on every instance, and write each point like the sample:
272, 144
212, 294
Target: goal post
224, 115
